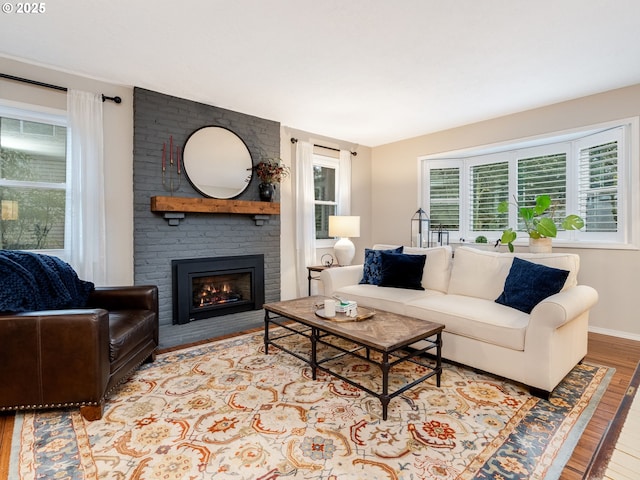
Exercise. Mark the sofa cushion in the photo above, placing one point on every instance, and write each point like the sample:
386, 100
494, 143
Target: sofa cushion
475, 318
371, 273
482, 274
529, 283
382, 298
401, 270
437, 268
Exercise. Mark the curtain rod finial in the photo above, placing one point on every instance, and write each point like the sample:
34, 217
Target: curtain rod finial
113, 99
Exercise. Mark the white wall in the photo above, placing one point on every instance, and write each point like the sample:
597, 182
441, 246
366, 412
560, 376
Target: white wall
118, 138
614, 273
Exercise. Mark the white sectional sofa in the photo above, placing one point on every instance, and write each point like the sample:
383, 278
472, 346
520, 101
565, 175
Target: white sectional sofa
537, 349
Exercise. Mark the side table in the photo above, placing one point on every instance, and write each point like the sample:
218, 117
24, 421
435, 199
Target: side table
317, 269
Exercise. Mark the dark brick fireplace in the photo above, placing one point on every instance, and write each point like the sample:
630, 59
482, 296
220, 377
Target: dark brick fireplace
158, 242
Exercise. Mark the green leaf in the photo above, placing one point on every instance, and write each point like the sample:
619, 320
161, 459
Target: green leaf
546, 227
508, 236
527, 214
543, 202
573, 222
503, 207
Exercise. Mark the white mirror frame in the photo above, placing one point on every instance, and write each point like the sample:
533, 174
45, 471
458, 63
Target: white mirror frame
217, 162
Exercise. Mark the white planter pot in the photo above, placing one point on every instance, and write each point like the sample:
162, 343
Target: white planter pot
540, 245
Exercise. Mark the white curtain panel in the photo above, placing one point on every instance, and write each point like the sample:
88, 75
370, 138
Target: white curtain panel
304, 214
344, 187
85, 199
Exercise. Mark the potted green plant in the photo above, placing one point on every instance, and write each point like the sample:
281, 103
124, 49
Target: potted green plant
539, 223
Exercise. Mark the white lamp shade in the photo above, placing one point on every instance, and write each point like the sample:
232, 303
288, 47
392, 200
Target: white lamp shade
344, 226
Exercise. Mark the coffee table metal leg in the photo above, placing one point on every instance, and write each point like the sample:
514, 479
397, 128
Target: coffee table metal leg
314, 345
384, 398
438, 359
266, 332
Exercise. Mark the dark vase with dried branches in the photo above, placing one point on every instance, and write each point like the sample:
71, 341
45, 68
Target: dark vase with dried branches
270, 172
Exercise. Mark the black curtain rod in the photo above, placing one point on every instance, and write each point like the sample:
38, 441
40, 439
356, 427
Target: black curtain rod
52, 87
295, 140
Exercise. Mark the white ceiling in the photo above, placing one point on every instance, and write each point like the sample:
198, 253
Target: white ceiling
364, 71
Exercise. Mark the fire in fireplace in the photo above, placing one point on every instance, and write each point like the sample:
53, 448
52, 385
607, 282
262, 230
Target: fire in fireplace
212, 290
210, 287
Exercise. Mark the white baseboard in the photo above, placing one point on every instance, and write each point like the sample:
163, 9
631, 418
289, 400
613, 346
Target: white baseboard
615, 333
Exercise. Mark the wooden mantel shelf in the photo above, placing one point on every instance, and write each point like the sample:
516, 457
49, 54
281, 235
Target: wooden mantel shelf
174, 208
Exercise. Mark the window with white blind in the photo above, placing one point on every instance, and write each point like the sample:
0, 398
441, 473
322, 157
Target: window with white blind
445, 197
586, 173
488, 186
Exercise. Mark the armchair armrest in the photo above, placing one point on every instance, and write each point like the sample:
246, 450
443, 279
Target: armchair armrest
53, 357
335, 278
137, 297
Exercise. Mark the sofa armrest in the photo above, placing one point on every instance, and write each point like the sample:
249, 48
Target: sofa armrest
558, 309
335, 278
137, 297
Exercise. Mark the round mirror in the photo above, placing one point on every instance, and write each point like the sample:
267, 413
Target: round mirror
217, 162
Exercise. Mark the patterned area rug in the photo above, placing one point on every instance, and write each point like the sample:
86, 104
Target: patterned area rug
226, 410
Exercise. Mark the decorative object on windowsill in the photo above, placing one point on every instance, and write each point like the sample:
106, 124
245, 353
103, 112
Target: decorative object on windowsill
326, 260
344, 227
439, 237
270, 172
420, 229
170, 183
539, 224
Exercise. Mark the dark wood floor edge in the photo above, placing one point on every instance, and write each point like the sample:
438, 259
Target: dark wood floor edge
598, 465
6, 434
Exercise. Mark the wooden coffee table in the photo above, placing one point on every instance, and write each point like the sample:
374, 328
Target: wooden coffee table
387, 333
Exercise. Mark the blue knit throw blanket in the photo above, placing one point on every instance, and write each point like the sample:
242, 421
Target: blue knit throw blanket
31, 282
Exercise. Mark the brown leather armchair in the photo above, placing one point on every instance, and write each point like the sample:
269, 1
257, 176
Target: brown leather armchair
63, 358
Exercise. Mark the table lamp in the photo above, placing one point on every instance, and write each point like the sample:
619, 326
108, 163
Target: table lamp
344, 227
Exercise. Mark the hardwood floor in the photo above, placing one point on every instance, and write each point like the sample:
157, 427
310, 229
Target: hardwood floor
621, 354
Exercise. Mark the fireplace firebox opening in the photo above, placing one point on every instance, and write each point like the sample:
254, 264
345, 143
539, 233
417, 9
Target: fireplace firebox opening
211, 287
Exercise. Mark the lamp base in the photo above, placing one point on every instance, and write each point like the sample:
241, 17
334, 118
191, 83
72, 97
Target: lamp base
345, 250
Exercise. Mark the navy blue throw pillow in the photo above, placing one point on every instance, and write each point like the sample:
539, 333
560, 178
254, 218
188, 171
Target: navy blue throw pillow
371, 270
529, 283
401, 270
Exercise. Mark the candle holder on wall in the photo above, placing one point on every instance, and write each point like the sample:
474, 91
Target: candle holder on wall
171, 182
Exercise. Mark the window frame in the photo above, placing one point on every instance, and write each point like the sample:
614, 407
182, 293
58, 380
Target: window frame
52, 116
319, 160
628, 188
